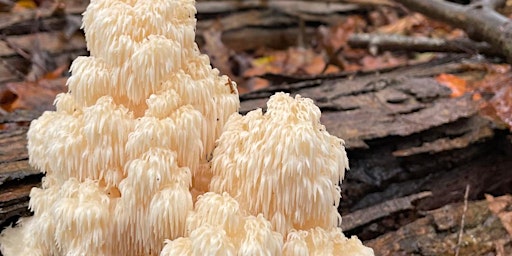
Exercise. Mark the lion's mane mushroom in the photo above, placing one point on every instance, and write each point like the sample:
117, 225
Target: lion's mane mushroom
284, 168
283, 164
125, 144
219, 227
126, 153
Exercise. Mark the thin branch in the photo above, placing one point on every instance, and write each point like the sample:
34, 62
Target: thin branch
479, 20
462, 219
382, 42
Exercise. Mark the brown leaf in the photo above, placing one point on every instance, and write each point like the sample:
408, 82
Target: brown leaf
316, 66
332, 39
497, 82
292, 61
385, 60
219, 54
502, 207
254, 84
402, 25
35, 95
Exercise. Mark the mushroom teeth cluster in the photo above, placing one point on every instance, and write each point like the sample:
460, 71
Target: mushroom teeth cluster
282, 164
126, 142
218, 226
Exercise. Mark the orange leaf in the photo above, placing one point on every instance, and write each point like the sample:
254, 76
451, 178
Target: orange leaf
476, 96
22, 5
455, 83
315, 66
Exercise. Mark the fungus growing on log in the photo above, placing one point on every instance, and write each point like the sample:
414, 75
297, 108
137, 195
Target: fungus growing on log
121, 150
273, 163
127, 153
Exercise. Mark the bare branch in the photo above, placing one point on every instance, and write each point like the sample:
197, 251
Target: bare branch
383, 42
480, 21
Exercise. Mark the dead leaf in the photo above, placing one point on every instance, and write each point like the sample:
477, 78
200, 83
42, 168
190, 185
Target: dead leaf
455, 83
292, 61
331, 69
497, 83
402, 25
316, 66
219, 54
35, 95
501, 207
383, 15
38, 95
332, 39
255, 83
22, 5
385, 60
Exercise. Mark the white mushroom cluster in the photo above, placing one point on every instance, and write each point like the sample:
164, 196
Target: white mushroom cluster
286, 158
120, 152
146, 154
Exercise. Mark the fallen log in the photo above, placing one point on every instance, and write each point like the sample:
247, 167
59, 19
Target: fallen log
404, 135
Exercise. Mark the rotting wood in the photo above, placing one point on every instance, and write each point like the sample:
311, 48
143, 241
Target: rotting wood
404, 135
437, 233
368, 215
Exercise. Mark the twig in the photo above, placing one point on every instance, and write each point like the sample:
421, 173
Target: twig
315, 7
15, 48
479, 20
462, 219
16, 72
383, 42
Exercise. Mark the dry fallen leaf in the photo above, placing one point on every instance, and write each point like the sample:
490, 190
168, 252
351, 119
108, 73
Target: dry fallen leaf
502, 207
497, 83
34, 95
402, 25
385, 60
291, 61
333, 39
22, 5
219, 54
455, 83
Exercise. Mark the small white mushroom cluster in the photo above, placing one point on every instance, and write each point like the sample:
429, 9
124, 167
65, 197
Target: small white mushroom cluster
147, 147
